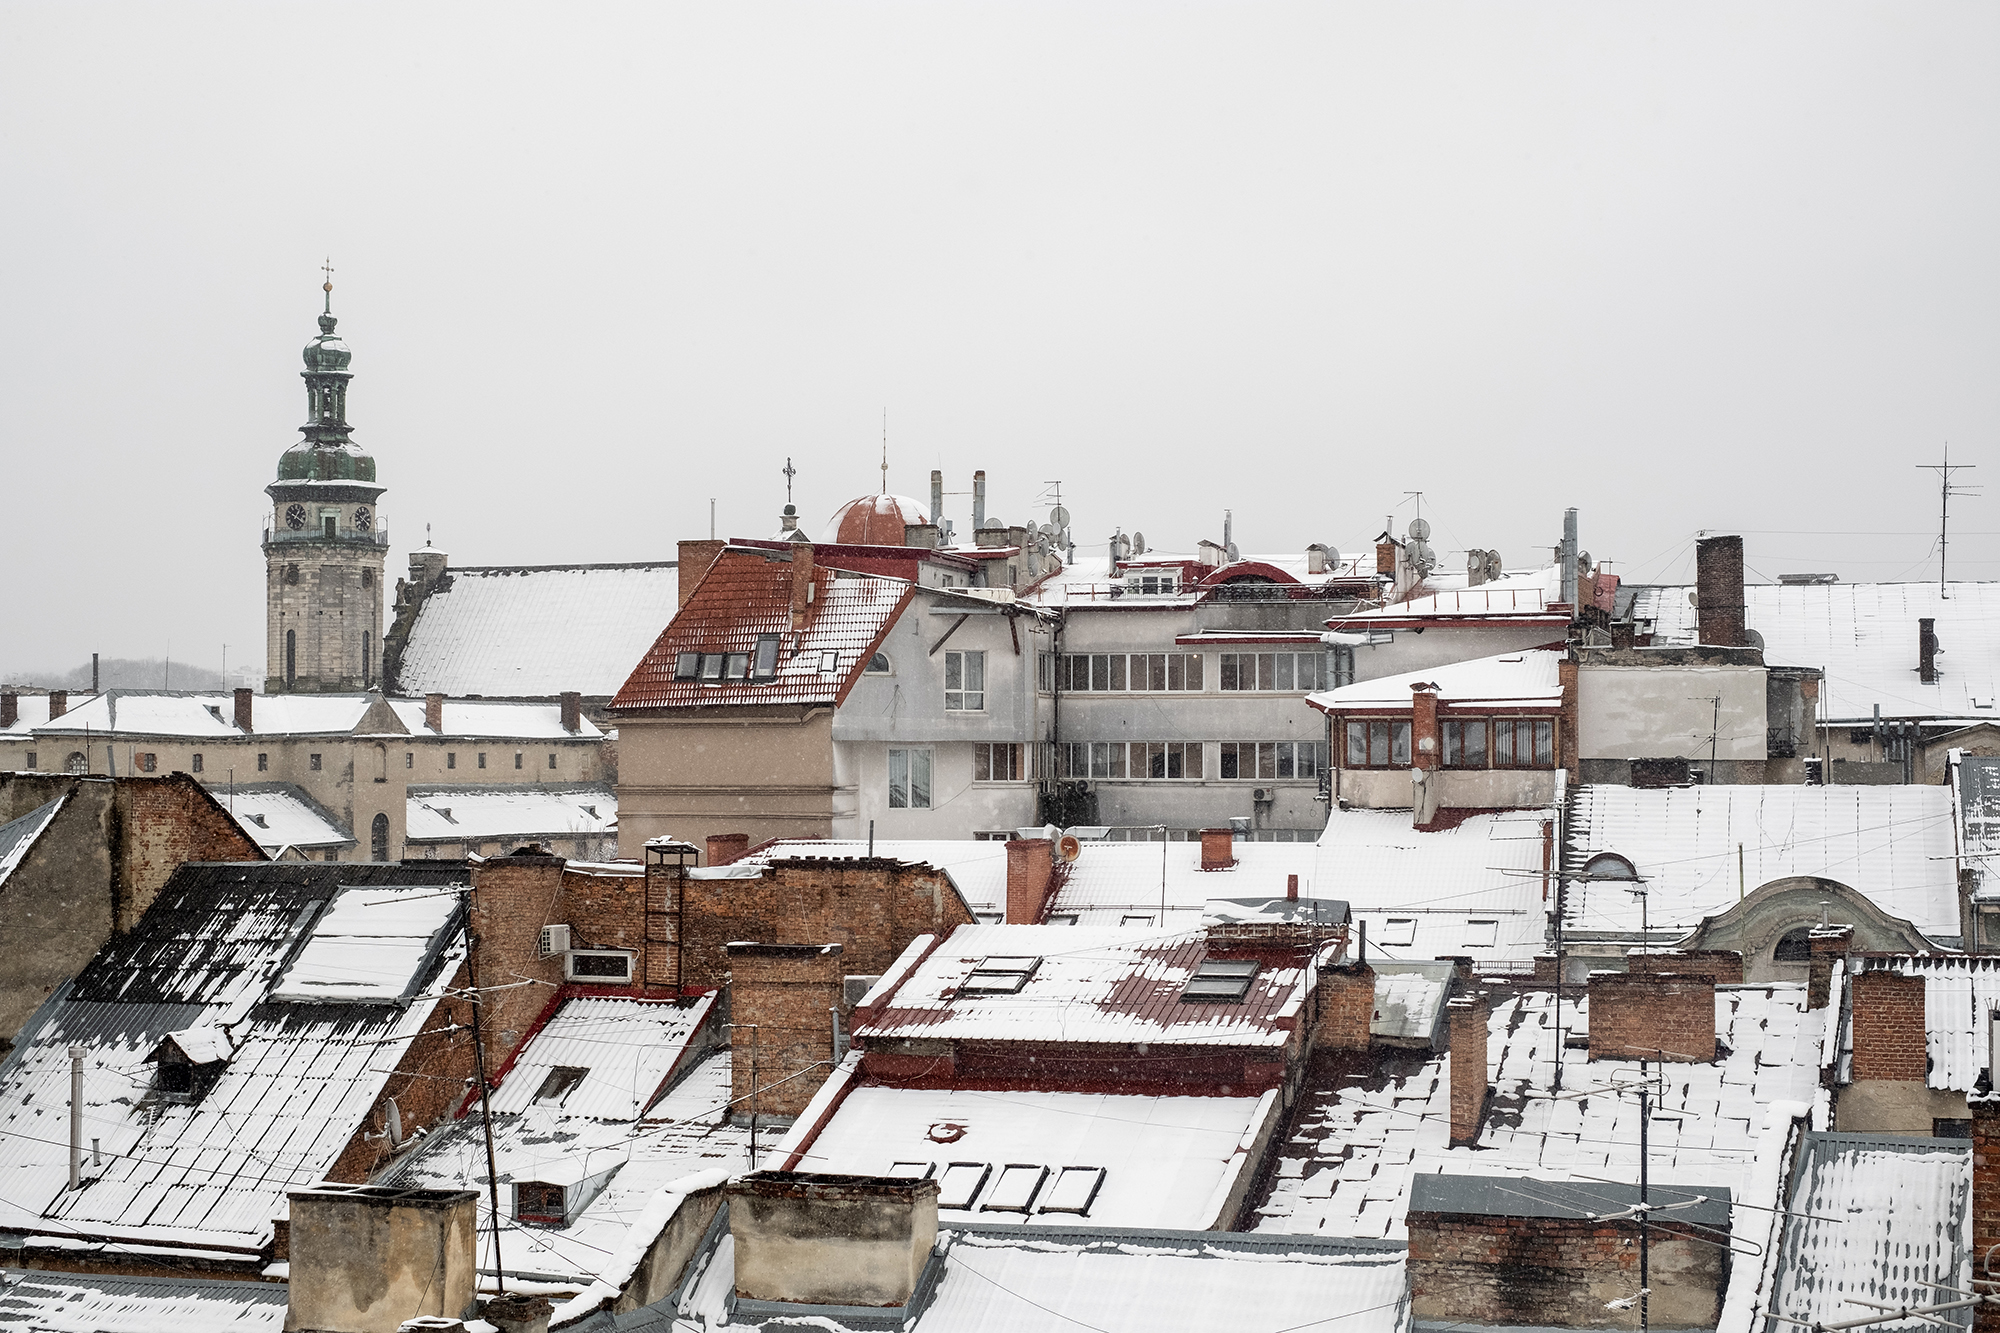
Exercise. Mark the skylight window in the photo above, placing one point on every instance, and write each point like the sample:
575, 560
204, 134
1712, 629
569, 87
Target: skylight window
999, 975
737, 667
1073, 1190
1221, 981
961, 1182
561, 1082
687, 666
1481, 931
1015, 1190
711, 666
766, 663
1399, 930
911, 1170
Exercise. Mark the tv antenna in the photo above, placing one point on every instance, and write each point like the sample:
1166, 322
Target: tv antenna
1946, 489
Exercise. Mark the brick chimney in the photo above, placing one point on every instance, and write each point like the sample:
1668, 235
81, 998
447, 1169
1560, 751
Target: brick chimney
696, 559
1829, 945
10, 709
1346, 1006
1652, 1016
802, 582
1927, 647
243, 707
1725, 965
572, 711
785, 991
1888, 1027
1385, 558
727, 848
1467, 1016
1291, 888
1718, 575
434, 712
1424, 742
1218, 848
1569, 753
58, 703
1030, 868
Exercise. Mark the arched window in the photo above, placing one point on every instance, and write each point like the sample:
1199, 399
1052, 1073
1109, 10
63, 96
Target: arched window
1794, 947
1610, 865
878, 665
76, 763
378, 838
291, 656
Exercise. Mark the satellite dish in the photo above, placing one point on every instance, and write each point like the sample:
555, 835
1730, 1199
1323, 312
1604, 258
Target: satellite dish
1069, 848
1232, 555
1756, 639
1332, 557
1420, 531
1420, 553
1138, 543
1059, 516
1583, 560
1475, 562
1493, 565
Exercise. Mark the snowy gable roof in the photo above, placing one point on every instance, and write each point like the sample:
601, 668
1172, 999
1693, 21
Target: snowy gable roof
556, 810
1526, 679
208, 715
624, 1049
1051, 1158
1081, 984
32, 713
1520, 596
1358, 1143
210, 1172
17, 837
747, 594
1864, 637
493, 719
1701, 849
277, 815
535, 631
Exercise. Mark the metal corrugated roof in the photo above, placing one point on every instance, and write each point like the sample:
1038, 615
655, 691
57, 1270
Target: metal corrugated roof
1874, 1219
45, 1302
17, 836
628, 1047
749, 592
1090, 985
514, 631
1512, 1196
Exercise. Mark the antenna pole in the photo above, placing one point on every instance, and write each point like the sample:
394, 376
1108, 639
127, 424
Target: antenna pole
485, 1102
1645, 1235
1945, 491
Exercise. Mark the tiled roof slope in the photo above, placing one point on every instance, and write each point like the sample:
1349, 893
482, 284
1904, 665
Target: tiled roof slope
749, 592
514, 632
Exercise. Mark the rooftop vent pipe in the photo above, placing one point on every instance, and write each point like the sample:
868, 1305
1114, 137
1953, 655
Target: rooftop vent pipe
937, 498
978, 500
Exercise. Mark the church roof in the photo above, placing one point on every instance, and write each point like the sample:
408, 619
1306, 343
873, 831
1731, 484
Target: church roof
510, 631
873, 520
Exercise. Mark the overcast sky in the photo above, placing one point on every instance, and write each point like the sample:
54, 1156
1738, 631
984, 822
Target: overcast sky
1684, 266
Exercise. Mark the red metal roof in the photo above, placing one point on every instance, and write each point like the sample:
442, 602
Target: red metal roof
748, 592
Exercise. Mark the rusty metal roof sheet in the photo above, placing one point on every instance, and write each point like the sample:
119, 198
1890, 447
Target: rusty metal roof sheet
749, 592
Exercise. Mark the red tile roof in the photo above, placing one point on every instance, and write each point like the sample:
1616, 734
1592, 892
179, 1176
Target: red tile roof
748, 592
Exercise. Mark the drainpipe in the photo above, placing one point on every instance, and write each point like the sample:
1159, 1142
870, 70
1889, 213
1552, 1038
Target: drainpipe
76, 1054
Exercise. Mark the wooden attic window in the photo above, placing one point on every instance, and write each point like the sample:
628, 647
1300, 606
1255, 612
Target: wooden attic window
538, 1202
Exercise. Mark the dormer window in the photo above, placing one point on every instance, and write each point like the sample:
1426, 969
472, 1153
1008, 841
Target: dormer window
537, 1202
187, 1063
1000, 974
561, 1082
1220, 981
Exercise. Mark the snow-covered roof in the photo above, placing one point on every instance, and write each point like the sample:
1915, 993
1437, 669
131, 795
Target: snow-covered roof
1701, 849
1357, 1143
203, 716
681, 1142
1153, 1282
1112, 882
1864, 637
17, 837
278, 815
557, 810
46, 1302
627, 1047
212, 1172
1514, 596
32, 711
1878, 1219
1092, 582
368, 946
1165, 1161
1084, 984
494, 719
536, 631
1524, 679
1960, 991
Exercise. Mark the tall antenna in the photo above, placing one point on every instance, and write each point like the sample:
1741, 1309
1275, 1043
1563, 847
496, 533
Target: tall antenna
1945, 491
885, 451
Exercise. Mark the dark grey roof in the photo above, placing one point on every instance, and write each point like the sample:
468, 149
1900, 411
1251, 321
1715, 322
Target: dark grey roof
38, 1300
1516, 1196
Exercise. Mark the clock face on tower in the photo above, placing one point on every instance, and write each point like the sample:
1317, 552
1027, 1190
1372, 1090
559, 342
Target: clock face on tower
362, 519
295, 517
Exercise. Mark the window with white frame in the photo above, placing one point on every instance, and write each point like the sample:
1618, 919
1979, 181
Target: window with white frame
1153, 582
909, 779
998, 762
964, 682
1102, 673
1272, 671
1272, 759
1045, 673
1165, 760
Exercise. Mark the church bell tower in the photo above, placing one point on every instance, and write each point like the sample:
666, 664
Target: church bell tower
324, 542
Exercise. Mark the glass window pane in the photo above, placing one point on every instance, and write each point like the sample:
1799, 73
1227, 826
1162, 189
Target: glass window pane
920, 779
1283, 662
982, 762
899, 779
1450, 733
767, 655
954, 671
1378, 744
1399, 743
1229, 757
975, 671
1267, 671
686, 665
1117, 671
1176, 671
1503, 743
1544, 744
1100, 671
1357, 745
1285, 769
1267, 759
1475, 744
1193, 759
1228, 677
738, 667
1175, 769
1194, 671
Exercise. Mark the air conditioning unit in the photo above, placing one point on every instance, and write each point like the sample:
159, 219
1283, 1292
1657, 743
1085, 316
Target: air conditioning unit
555, 940
1262, 794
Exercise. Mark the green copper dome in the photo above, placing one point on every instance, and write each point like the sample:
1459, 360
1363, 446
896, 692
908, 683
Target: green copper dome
327, 353
307, 461
326, 453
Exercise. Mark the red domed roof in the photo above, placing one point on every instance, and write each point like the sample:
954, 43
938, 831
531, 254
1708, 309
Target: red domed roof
873, 520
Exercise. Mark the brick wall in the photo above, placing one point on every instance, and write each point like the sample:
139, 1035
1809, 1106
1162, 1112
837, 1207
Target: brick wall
1653, 1016
789, 992
1557, 1273
1424, 744
1889, 1027
429, 1083
161, 823
1723, 966
1467, 1016
1030, 872
1347, 1007
1985, 1195
513, 898
872, 908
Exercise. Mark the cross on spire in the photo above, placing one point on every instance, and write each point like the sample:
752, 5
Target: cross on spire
327, 268
885, 451
789, 472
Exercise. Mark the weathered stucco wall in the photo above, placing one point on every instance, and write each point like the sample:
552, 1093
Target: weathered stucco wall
1646, 712
364, 1258
830, 1240
767, 773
